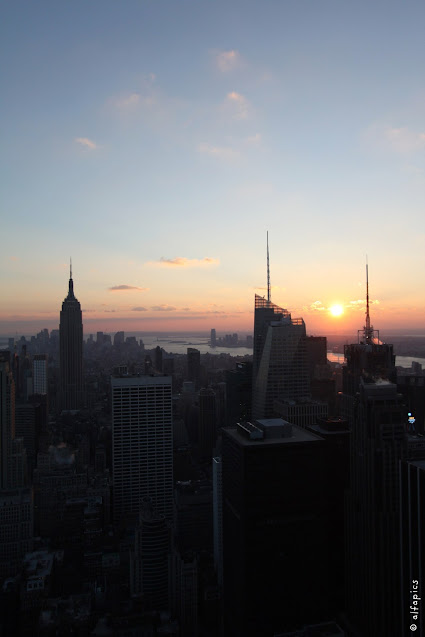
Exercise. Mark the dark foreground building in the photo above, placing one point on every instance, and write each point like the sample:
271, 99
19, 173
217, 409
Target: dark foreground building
274, 528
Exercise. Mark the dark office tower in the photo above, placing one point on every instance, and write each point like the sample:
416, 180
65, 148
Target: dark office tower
280, 367
336, 434
368, 357
28, 427
411, 383
207, 422
142, 444
151, 559
7, 420
194, 365
119, 339
274, 532
378, 443
71, 351
213, 340
412, 490
158, 359
39, 374
238, 393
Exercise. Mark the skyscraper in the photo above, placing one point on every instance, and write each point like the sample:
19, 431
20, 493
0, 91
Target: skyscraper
280, 366
71, 351
373, 577
194, 365
368, 357
274, 528
7, 420
142, 444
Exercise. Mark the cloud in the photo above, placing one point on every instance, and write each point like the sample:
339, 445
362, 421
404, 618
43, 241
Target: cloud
138, 309
125, 102
254, 140
117, 288
14, 258
402, 140
316, 306
237, 105
184, 262
227, 60
86, 143
225, 153
163, 308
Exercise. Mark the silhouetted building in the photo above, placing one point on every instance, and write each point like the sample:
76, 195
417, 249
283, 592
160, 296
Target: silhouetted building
412, 491
369, 357
411, 384
238, 393
280, 367
151, 560
193, 516
207, 422
7, 420
194, 365
158, 359
16, 529
378, 443
336, 434
213, 339
119, 339
40, 374
218, 518
274, 531
142, 444
71, 351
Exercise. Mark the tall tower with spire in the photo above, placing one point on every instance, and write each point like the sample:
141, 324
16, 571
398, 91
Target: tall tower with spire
71, 350
280, 368
369, 357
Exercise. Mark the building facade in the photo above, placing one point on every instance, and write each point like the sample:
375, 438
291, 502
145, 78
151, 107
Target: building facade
71, 351
142, 444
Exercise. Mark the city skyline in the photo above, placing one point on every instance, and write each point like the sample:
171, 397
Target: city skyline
157, 143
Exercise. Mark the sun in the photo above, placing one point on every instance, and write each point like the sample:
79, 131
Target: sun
336, 310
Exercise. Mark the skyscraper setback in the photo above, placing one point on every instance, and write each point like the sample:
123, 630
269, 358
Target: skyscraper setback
280, 367
71, 351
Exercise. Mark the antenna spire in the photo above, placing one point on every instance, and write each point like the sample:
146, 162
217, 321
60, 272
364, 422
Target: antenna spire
368, 330
70, 267
268, 269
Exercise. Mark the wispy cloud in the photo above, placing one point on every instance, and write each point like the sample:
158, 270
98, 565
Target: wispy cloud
139, 309
227, 60
184, 262
163, 308
224, 153
402, 140
117, 288
237, 105
86, 143
254, 140
316, 306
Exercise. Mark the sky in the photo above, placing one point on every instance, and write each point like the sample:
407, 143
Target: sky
156, 142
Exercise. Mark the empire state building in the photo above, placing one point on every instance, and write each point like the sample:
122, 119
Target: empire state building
71, 351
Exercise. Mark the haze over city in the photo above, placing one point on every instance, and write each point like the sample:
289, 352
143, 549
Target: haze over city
157, 142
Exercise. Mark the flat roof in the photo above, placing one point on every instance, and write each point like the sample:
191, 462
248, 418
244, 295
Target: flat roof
298, 436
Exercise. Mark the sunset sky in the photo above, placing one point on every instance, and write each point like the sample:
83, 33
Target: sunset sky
157, 141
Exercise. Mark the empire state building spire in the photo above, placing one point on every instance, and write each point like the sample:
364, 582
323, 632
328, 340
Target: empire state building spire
71, 350
71, 282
